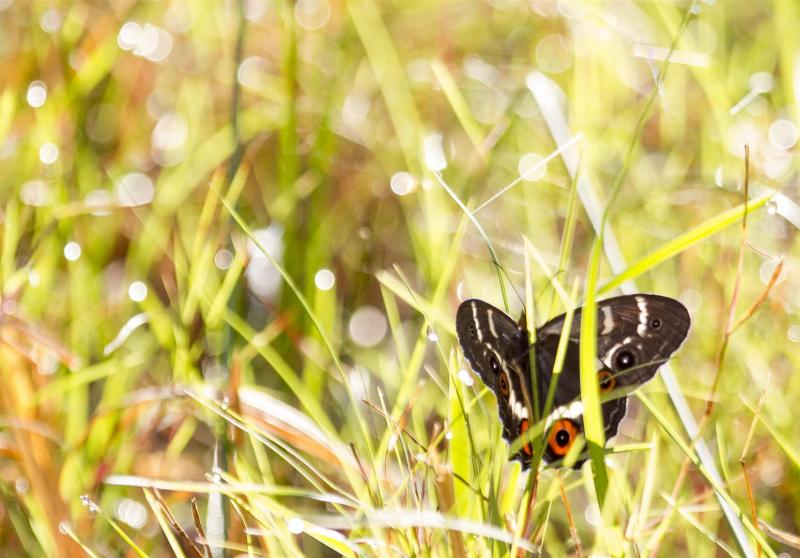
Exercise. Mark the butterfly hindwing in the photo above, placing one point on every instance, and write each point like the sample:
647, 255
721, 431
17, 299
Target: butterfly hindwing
567, 408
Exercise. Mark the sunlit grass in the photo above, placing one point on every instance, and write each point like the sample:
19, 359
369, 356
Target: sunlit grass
222, 154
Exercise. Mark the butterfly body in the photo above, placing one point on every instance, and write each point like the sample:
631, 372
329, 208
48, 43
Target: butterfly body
635, 335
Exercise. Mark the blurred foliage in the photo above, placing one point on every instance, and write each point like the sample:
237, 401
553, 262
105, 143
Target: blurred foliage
181, 180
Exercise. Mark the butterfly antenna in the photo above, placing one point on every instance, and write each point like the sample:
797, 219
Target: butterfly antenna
502, 270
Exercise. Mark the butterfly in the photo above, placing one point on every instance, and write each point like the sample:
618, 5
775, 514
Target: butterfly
635, 335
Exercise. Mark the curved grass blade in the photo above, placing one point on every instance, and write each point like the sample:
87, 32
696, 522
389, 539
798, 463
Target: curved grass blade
483, 234
685, 241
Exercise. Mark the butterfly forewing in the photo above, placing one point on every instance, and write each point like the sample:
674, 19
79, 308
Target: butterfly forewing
498, 350
635, 334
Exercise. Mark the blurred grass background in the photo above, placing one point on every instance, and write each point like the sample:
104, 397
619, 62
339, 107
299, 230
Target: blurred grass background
228, 267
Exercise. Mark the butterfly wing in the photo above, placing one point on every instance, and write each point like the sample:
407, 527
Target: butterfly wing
498, 350
636, 335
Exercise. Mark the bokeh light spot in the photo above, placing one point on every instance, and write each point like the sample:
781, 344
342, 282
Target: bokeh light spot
324, 279
137, 291
296, 526
50, 20
783, 134
170, 131
72, 251
129, 35
367, 326
35, 193
223, 259
434, 152
312, 14
37, 94
402, 183
131, 512
263, 278
134, 189
48, 153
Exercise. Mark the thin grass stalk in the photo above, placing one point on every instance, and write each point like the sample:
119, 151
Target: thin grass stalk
573, 531
746, 449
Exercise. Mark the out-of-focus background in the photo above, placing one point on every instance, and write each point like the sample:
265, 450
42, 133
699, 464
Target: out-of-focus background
234, 236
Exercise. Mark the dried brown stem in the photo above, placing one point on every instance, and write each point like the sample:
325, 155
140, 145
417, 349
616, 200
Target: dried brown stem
567, 508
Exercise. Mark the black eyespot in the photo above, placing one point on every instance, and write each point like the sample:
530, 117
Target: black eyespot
562, 438
624, 359
655, 323
503, 383
494, 366
472, 331
606, 381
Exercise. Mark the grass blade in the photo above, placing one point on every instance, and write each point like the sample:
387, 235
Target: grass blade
685, 241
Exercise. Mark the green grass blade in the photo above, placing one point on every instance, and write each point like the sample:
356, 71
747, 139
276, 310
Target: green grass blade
459, 104
590, 395
388, 69
685, 241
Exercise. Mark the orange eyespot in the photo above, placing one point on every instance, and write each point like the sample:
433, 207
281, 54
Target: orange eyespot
606, 380
562, 435
523, 428
502, 382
